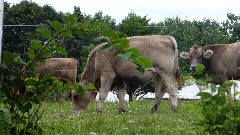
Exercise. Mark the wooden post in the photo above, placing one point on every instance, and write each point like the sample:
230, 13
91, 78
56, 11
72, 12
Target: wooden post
1, 26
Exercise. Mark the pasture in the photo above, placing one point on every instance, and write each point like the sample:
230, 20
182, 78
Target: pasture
58, 119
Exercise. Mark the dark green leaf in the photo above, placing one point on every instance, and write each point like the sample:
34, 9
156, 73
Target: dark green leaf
145, 63
124, 56
8, 58
44, 32
200, 68
61, 50
107, 47
101, 39
66, 34
134, 52
56, 25
53, 43
30, 82
121, 44
70, 20
31, 53
36, 44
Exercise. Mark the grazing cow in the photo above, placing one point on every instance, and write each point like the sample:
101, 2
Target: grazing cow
107, 72
65, 69
222, 62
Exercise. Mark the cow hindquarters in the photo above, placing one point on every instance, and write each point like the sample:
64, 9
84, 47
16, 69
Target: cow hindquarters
121, 91
106, 83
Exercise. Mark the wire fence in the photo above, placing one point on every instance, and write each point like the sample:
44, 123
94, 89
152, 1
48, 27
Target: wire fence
186, 93
155, 26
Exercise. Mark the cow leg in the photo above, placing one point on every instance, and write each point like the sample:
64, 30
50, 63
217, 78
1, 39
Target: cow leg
159, 93
66, 94
106, 82
63, 97
121, 91
222, 77
170, 84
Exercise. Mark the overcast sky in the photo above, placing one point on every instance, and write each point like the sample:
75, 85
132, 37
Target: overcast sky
156, 10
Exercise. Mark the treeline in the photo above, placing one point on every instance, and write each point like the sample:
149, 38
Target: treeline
21, 21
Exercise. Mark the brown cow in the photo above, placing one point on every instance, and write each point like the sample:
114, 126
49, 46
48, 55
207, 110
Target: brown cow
64, 69
221, 61
107, 71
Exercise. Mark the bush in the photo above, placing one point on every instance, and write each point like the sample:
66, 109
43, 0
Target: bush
5, 122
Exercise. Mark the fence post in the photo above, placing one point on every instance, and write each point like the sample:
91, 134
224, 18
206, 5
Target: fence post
1, 26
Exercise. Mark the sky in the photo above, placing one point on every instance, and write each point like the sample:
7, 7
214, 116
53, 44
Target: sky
156, 10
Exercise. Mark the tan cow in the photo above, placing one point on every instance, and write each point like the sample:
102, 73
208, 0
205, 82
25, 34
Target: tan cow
64, 69
107, 71
221, 61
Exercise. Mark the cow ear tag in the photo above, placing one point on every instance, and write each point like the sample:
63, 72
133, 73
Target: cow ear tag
208, 54
185, 55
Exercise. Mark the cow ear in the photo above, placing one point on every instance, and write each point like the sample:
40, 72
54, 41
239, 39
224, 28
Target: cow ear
185, 55
208, 54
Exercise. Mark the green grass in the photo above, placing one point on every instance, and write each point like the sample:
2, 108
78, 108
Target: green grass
58, 119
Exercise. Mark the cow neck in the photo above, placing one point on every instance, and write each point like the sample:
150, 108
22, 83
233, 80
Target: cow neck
206, 63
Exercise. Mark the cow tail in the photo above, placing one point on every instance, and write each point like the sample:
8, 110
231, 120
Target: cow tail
77, 63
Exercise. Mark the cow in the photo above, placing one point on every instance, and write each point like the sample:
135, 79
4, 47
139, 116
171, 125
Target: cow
106, 71
221, 61
65, 69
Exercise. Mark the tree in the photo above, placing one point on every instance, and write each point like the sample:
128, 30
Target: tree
135, 25
83, 41
233, 26
16, 38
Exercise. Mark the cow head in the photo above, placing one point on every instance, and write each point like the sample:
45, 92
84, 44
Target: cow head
81, 102
196, 55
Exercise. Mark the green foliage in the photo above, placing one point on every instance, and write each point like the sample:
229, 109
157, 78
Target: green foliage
135, 25
220, 114
16, 39
123, 52
16, 74
233, 26
5, 122
199, 68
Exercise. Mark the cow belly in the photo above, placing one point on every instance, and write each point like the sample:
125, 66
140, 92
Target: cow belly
237, 76
136, 76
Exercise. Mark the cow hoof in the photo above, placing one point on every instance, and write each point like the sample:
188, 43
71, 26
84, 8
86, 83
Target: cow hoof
99, 111
153, 110
174, 109
60, 101
121, 111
